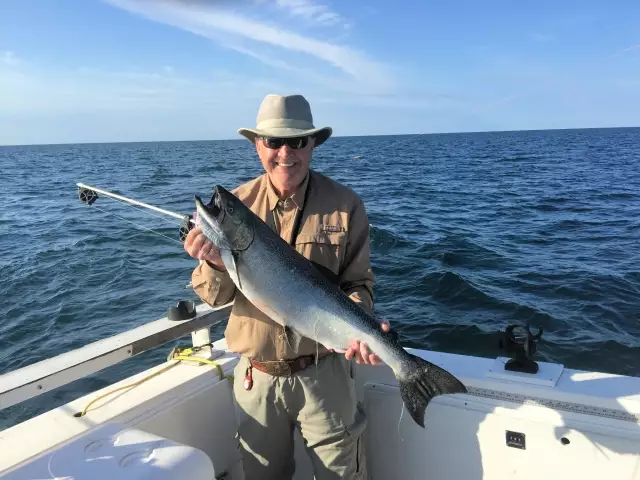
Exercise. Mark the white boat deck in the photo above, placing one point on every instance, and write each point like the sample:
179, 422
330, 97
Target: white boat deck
573, 424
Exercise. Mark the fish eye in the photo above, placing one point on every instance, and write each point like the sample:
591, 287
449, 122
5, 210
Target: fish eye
230, 207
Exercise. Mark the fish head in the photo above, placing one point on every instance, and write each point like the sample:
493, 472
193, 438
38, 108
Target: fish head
226, 221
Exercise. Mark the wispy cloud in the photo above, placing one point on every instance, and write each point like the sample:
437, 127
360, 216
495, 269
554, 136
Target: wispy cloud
310, 10
325, 82
94, 104
623, 52
263, 58
91, 90
215, 22
8, 58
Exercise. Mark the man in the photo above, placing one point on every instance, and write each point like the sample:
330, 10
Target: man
277, 389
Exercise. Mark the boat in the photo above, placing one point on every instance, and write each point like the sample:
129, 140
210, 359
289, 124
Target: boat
521, 418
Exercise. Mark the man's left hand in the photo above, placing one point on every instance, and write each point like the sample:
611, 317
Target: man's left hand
361, 351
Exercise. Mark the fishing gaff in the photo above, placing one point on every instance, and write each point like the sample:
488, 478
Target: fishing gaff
89, 194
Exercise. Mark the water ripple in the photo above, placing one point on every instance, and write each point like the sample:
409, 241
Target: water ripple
470, 232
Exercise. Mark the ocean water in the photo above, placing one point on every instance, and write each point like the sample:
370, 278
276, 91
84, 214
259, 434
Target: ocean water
470, 232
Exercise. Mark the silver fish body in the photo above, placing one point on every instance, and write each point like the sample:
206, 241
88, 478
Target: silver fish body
293, 292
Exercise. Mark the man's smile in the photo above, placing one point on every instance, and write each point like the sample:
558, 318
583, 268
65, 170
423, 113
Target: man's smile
284, 164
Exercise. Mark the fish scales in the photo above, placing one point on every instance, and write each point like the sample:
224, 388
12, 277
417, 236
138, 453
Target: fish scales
299, 296
292, 291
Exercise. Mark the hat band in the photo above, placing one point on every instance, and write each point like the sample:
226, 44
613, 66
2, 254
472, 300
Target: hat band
285, 123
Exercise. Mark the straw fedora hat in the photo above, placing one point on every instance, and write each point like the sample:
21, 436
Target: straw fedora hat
285, 116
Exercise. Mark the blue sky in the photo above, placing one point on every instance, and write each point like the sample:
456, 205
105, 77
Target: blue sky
144, 70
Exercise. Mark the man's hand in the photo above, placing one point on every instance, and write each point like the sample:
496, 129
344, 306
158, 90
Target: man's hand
361, 350
198, 246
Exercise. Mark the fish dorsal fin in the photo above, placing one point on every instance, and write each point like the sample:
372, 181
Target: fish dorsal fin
293, 338
229, 259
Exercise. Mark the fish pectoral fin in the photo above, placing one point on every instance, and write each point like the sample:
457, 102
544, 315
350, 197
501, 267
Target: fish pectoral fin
293, 338
235, 269
229, 259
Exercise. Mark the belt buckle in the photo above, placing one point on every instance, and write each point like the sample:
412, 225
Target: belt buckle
282, 368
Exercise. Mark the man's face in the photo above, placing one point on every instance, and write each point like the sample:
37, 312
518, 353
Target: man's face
285, 164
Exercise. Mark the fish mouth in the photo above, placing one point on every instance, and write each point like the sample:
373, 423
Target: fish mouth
212, 213
217, 202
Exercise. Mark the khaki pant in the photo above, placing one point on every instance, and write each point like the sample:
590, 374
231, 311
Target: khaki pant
320, 401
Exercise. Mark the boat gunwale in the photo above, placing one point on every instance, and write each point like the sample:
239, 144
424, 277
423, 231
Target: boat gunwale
607, 395
30, 381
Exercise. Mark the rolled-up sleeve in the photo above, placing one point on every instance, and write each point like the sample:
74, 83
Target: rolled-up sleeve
212, 286
357, 277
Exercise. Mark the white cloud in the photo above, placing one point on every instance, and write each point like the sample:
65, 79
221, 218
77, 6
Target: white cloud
89, 104
226, 27
311, 80
34, 91
311, 10
264, 58
8, 58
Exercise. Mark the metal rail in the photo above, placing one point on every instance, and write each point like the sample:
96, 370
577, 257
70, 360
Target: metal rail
38, 378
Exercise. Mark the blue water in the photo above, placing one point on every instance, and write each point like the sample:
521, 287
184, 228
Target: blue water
471, 232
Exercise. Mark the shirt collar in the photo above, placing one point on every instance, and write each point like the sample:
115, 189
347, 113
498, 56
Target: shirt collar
298, 198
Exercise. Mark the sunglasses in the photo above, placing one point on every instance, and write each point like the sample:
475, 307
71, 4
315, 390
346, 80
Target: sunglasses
295, 143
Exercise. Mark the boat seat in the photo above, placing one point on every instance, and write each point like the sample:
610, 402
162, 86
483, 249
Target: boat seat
115, 451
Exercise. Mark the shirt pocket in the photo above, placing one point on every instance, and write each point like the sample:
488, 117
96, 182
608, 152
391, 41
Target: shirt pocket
324, 248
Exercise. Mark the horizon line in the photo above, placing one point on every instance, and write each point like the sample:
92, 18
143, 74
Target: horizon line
240, 138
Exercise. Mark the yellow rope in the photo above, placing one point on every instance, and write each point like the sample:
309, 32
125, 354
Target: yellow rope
84, 412
179, 354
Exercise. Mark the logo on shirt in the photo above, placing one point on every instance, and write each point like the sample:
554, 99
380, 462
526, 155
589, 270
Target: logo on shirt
330, 228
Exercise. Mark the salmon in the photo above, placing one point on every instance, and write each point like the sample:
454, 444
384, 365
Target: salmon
293, 292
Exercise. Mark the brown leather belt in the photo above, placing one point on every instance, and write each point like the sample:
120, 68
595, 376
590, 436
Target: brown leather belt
286, 368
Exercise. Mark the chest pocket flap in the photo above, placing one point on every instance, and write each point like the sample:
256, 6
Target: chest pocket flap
324, 248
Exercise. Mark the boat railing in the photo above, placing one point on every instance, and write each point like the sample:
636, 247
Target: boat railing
32, 380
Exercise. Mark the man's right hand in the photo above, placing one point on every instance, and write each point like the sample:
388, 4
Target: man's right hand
198, 246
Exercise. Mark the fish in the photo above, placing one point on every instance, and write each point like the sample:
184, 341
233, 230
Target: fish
293, 292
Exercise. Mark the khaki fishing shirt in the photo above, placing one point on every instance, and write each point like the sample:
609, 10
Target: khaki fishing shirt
333, 232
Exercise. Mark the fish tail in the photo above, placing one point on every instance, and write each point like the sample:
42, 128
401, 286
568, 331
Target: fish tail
420, 381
